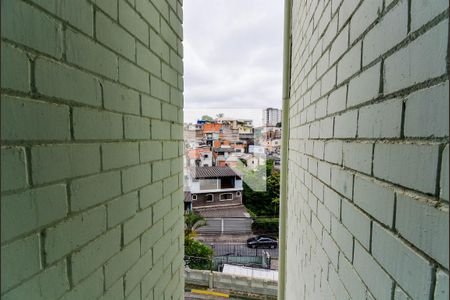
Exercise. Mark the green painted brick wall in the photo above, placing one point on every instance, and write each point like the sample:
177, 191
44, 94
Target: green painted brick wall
91, 168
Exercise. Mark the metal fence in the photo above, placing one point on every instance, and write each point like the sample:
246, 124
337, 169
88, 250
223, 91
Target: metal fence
240, 249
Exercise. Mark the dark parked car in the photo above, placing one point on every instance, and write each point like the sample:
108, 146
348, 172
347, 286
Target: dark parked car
262, 241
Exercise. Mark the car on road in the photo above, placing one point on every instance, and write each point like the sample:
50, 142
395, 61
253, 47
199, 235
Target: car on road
262, 241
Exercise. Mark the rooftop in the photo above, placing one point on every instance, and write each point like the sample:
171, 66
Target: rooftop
212, 172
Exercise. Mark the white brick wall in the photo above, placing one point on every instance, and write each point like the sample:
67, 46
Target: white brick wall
379, 172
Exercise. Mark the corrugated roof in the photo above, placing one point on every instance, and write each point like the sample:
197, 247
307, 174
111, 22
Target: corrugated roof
212, 172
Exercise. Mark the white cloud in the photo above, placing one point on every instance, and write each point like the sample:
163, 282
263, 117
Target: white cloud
233, 53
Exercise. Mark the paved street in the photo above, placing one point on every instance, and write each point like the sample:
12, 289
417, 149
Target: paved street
239, 249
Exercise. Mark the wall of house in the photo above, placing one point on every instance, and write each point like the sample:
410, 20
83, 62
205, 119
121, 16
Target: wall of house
91, 167
368, 150
201, 199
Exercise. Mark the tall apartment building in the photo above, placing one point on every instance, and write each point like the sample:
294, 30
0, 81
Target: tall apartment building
271, 116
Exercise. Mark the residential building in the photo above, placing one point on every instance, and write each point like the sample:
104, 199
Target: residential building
271, 116
215, 186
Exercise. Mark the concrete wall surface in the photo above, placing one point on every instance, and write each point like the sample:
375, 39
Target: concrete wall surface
368, 150
91, 132
232, 283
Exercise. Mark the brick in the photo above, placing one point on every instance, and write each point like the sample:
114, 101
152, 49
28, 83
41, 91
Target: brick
424, 11
160, 130
376, 279
365, 86
159, 46
122, 208
135, 177
100, 60
30, 210
137, 272
441, 289
14, 69
330, 32
161, 169
358, 156
136, 128
115, 292
170, 149
152, 235
150, 151
93, 190
93, 255
130, 20
151, 107
159, 89
64, 82
81, 228
162, 7
349, 64
424, 225
120, 263
168, 35
381, 120
13, 169
328, 81
342, 237
356, 222
116, 155
90, 287
339, 46
333, 152
55, 162
94, 125
346, 10
411, 271
351, 280
33, 120
169, 75
108, 6
365, 15
120, 99
407, 66
399, 163
332, 201
113, 36
444, 175
39, 32
331, 249
133, 76
176, 61
150, 194
161, 208
426, 111
137, 225
323, 214
149, 281
321, 107
336, 285
52, 283
345, 125
149, 12
175, 24
375, 199
170, 185
135, 294
20, 260
148, 60
176, 165
161, 247
390, 31
337, 100
399, 294
79, 14
342, 181
169, 112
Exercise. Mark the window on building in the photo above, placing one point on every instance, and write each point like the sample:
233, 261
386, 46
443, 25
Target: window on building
194, 197
209, 198
238, 194
227, 196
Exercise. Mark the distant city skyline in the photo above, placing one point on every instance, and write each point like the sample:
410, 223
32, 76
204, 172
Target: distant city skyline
191, 115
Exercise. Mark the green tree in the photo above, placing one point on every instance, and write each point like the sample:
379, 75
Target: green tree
192, 221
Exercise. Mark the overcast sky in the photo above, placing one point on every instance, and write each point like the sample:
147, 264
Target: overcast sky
233, 51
